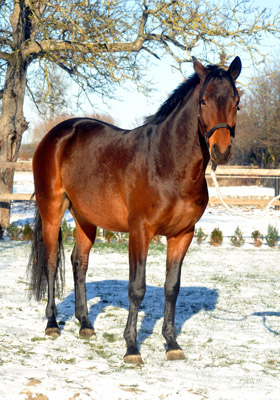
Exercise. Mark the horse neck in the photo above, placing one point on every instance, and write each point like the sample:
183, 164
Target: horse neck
181, 136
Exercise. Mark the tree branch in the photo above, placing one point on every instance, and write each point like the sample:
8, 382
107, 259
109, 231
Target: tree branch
5, 56
51, 46
5, 42
37, 48
5, 31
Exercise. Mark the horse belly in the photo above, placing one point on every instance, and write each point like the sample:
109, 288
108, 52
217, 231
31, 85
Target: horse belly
100, 208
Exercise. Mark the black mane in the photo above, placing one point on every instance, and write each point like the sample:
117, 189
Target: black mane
180, 95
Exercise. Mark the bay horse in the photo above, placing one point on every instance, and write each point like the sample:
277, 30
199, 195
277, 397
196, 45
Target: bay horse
146, 181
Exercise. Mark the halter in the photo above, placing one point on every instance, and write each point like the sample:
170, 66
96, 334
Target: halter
208, 134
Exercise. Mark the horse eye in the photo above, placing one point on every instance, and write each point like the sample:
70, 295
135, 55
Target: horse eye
202, 101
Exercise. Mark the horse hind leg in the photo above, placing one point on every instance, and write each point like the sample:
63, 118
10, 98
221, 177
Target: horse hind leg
52, 211
79, 259
51, 238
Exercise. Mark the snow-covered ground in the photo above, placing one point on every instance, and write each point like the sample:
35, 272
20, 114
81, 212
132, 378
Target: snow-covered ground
227, 321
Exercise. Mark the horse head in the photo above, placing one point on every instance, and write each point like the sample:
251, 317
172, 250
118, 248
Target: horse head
218, 104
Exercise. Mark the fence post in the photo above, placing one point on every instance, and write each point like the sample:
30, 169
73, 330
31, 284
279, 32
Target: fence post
276, 190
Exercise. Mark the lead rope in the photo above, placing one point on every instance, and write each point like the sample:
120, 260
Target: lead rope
263, 214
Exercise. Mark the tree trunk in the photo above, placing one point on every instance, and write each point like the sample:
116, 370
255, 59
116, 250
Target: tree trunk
12, 126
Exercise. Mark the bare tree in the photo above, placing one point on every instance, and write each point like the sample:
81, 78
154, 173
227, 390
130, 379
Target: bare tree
258, 131
50, 94
101, 43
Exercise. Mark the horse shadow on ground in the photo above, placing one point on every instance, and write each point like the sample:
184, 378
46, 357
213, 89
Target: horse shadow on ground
10, 244
262, 314
191, 301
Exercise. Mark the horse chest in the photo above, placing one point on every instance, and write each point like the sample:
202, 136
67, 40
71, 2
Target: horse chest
185, 210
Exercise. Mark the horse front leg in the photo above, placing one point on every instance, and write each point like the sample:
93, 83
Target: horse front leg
176, 250
138, 249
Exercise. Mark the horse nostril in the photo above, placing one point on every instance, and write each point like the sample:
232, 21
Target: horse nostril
215, 149
228, 151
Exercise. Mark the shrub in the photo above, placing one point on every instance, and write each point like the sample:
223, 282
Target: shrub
257, 237
109, 236
66, 230
237, 238
27, 232
200, 235
14, 231
99, 234
272, 236
122, 238
156, 239
216, 237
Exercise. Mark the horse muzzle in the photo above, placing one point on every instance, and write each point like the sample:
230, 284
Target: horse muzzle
220, 157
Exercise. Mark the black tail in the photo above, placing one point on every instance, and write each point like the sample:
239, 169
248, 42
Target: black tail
37, 263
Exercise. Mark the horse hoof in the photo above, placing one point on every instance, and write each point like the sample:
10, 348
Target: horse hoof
175, 355
87, 333
133, 359
54, 332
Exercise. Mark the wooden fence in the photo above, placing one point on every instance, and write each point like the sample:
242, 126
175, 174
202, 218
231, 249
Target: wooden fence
17, 166
221, 172
231, 172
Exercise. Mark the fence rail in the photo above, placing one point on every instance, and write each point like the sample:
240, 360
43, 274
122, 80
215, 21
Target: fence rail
18, 166
230, 171
221, 172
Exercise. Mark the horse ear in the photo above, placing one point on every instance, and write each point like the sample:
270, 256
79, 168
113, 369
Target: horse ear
199, 68
235, 68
